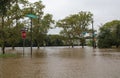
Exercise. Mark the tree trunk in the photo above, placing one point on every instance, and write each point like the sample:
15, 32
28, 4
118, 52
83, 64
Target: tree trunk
72, 44
3, 49
38, 46
2, 21
82, 45
13, 48
117, 45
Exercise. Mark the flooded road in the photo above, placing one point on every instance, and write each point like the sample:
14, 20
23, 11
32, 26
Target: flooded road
62, 62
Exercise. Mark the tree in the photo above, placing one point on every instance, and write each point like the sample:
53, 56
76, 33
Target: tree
115, 28
13, 22
75, 25
10, 11
42, 28
42, 24
110, 32
3, 38
104, 38
14, 35
54, 40
4, 6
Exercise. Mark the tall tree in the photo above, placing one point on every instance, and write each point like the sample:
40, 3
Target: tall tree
10, 12
41, 24
42, 27
75, 25
4, 7
105, 38
110, 32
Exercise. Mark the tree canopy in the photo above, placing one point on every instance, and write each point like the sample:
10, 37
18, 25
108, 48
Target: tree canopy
75, 25
13, 14
109, 34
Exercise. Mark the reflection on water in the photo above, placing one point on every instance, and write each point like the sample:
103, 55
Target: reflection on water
61, 62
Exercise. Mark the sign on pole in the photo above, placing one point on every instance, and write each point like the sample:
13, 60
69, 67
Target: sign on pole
31, 16
23, 34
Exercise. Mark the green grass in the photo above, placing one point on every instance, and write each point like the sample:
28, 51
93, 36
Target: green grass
7, 55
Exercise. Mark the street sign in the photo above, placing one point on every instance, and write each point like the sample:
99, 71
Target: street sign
31, 16
23, 34
84, 33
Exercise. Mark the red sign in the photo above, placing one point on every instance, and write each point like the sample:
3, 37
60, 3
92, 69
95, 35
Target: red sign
23, 34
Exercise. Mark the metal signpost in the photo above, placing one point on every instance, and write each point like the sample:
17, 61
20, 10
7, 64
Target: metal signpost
93, 36
23, 37
31, 16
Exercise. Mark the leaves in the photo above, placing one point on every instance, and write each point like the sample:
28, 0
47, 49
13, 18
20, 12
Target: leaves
74, 25
13, 19
109, 34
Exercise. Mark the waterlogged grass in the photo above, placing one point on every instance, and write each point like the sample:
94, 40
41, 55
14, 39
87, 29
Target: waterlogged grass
7, 55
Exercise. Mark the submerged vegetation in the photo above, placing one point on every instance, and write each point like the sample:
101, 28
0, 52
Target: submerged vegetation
7, 55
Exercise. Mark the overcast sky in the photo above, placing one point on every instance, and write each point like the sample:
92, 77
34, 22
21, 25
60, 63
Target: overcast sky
103, 10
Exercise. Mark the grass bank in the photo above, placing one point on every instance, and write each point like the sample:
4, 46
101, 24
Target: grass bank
7, 55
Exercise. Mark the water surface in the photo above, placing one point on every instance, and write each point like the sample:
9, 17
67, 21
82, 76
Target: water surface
61, 62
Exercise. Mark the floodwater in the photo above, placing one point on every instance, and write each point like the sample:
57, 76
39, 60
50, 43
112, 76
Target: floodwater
61, 62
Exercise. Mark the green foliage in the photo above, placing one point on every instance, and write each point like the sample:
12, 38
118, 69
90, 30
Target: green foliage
14, 36
105, 39
4, 5
109, 34
89, 43
7, 55
42, 24
54, 40
74, 25
3, 36
11, 24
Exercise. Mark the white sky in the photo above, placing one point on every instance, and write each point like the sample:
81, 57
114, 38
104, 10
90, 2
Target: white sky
103, 10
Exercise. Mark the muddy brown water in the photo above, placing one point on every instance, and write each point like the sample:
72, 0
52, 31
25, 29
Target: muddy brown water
61, 62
